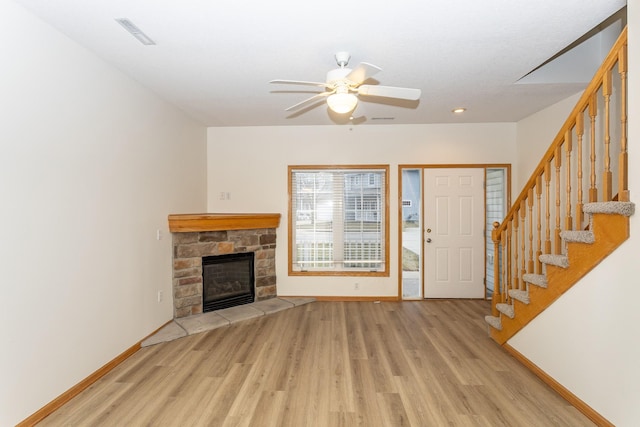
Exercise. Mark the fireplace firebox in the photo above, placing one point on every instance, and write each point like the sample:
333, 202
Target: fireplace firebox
227, 281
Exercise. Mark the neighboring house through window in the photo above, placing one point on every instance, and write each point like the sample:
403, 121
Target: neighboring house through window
338, 220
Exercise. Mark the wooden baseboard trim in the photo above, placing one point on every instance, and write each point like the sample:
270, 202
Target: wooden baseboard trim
56, 403
338, 298
154, 332
588, 411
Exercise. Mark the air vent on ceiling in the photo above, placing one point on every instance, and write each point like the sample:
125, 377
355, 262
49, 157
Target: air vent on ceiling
135, 31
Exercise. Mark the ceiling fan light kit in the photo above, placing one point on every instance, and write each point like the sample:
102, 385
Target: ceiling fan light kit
342, 101
343, 84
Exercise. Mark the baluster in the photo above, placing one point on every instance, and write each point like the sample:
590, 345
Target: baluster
539, 225
547, 180
579, 134
523, 240
507, 260
530, 204
606, 177
623, 162
568, 224
557, 248
516, 281
497, 294
593, 113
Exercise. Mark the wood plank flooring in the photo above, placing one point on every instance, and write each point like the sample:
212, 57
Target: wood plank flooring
414, 363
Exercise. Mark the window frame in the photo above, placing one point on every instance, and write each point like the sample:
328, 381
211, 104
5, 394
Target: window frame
384, 270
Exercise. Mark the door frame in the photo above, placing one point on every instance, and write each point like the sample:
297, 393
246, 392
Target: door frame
401, 167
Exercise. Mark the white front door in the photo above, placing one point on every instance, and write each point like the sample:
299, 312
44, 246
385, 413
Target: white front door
453, 233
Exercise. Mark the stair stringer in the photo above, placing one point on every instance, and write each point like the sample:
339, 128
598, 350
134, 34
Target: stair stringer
609, 230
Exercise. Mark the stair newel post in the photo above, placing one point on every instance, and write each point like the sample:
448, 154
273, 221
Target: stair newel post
568, 223
523, 244
547, 204
557, 242
530, 205
593, 113
623, 162
579, 135
539, 225
498, 292
607, 177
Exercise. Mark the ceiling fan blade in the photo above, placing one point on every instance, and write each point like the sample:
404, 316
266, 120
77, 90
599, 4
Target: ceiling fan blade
298, 82
362, 72
308, 100
390, 92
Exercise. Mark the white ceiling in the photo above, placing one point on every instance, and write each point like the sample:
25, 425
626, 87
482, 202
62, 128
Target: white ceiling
215, 59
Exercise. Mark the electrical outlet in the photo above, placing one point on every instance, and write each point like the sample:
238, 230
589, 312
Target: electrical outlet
356, 286
160, 296
158, 234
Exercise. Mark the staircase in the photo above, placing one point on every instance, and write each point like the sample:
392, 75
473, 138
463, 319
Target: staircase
608, 228
574, 210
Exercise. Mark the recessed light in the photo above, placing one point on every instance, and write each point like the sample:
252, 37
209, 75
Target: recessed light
459, 110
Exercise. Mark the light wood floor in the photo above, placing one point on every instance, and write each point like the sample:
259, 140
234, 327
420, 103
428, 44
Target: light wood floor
422, 363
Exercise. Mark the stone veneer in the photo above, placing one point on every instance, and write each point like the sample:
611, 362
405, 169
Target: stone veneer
190, 247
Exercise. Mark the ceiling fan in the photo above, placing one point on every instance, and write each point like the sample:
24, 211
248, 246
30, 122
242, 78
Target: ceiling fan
343, 84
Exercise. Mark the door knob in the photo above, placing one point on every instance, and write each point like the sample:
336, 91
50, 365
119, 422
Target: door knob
428, 240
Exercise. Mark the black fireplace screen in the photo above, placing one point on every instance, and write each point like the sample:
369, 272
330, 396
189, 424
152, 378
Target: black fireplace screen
227, 281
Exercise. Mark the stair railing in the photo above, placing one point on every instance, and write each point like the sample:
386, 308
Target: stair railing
587, 162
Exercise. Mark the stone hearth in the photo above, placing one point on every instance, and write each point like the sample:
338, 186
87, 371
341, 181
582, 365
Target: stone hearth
199, 235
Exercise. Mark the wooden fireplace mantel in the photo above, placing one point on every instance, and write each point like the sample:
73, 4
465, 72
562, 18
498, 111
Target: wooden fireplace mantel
185, 223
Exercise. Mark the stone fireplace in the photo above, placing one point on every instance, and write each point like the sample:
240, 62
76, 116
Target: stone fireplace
196, 236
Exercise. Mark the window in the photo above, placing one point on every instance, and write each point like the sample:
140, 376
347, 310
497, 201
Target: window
338, 220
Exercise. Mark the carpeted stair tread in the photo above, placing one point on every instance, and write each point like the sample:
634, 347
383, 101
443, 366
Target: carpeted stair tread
522, 296
506, 309
557, 260
536, 279
620, 208
578, 236
494, 322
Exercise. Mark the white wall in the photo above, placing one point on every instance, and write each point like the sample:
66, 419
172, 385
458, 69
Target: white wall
91, 164
535, 134
251, 164
588, 339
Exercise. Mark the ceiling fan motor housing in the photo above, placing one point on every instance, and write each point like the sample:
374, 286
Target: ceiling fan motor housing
337, 75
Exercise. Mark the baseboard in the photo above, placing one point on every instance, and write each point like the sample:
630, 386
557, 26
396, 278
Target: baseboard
338, 298
65, 397
588, 411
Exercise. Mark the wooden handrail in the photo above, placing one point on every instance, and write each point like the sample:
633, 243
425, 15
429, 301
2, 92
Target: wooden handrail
582, 104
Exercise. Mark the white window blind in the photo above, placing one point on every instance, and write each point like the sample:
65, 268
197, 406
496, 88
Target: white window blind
338, 219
